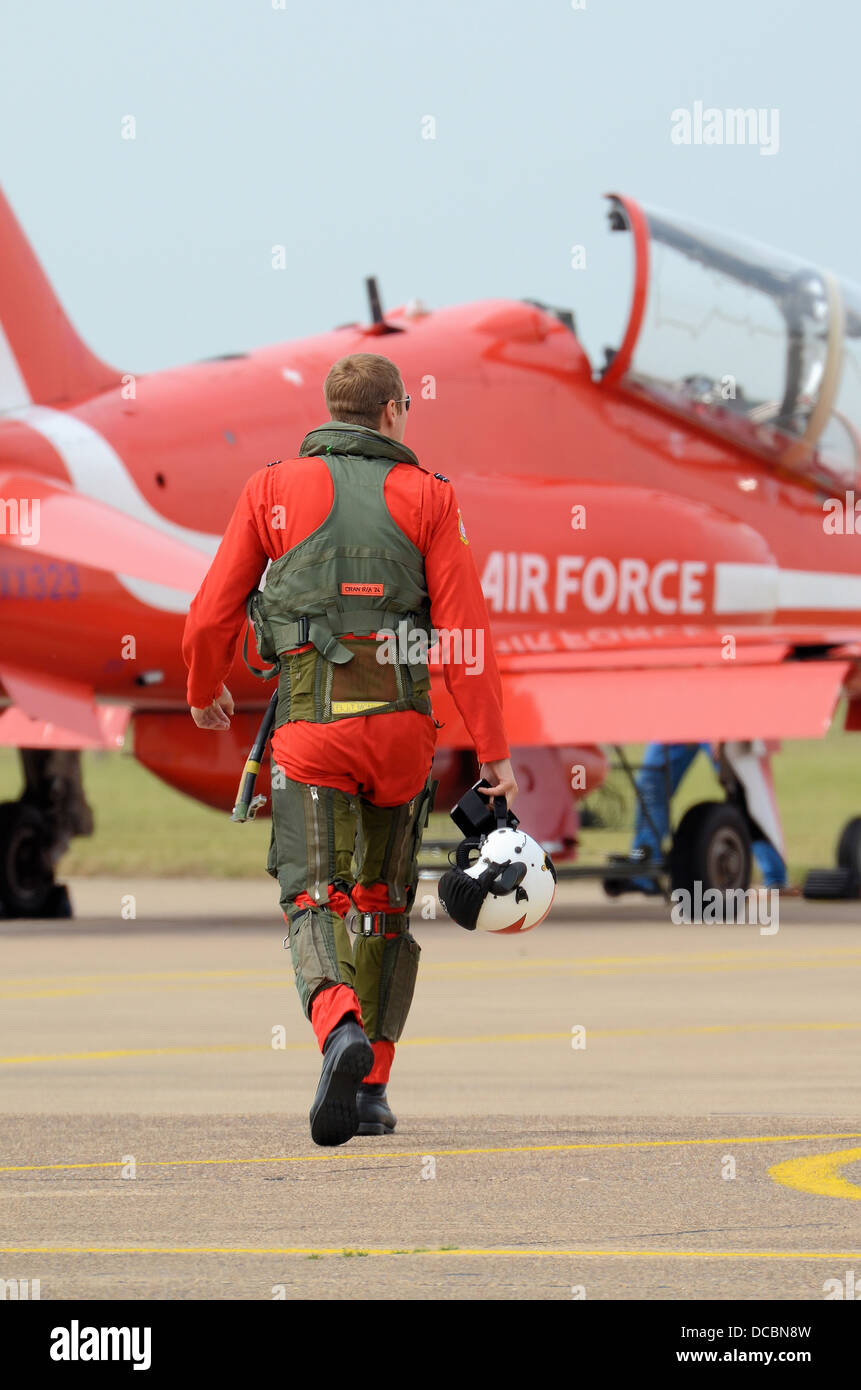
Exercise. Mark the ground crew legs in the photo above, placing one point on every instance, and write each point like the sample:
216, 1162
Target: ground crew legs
662, 769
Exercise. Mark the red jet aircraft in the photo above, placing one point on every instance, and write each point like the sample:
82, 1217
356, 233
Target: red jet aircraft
668, 542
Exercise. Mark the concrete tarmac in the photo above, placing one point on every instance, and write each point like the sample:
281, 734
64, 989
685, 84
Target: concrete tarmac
610, 1107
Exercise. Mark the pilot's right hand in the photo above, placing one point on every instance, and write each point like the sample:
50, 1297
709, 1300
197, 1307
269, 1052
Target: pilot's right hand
215, 716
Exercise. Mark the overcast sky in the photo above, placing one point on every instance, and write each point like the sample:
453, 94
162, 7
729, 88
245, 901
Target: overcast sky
302, 126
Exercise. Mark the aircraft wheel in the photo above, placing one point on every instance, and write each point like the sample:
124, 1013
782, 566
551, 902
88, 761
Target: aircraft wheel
711, 846
26, 875
849, 847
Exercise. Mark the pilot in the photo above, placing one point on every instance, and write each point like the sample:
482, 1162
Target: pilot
365, 543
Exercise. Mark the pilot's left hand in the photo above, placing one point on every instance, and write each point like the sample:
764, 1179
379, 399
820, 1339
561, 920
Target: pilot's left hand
215, 716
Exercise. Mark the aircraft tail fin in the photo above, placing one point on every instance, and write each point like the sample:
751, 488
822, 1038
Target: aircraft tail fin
42, 358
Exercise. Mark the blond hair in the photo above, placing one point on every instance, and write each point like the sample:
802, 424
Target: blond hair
358, 387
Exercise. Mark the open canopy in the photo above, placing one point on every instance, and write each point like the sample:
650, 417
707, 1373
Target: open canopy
749, 342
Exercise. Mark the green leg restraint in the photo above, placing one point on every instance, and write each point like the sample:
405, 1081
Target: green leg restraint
387, 956
320, 835
385, 980
313, 833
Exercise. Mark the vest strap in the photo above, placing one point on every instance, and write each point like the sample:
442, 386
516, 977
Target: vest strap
266, 673
368, 619
323, 632
327, 643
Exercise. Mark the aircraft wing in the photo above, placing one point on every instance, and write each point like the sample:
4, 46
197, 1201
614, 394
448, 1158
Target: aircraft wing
48, 712
555, 701
18, 730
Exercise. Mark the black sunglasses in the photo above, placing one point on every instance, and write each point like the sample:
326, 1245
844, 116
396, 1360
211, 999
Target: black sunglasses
405, 400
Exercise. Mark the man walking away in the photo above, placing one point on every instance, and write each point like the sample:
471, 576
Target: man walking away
363, 541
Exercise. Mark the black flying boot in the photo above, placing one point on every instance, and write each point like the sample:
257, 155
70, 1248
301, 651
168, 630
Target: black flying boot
375, 1117
347, 1057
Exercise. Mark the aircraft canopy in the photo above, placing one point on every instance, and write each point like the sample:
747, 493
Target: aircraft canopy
746, 341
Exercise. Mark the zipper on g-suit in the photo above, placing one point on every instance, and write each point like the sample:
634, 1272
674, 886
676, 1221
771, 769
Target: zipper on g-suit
315, 798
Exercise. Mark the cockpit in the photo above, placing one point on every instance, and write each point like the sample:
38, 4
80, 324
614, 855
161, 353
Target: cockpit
748, 342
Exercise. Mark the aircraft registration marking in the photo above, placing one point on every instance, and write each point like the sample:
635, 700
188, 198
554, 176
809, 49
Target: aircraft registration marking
38, 581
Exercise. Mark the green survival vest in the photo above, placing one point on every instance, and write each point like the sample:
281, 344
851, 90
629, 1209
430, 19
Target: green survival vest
357, 573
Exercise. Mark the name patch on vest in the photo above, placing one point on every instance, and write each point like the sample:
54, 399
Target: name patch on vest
355, 706
348, 588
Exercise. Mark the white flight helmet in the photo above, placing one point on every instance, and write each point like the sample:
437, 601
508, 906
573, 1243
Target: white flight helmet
509, 887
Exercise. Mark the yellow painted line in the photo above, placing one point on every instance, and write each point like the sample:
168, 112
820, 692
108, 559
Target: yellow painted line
429, 974
819, 1174
108, 1054
701, 1030
469, 1252
676, 967
54, 986
740, 955
364, 1156
699, 963
283, 982
738, 952
657, 1032
117, 976
12, 995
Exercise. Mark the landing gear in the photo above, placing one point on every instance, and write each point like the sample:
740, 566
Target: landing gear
709, 849
712, 846
26, 874
849, 847
35, 832
845, 880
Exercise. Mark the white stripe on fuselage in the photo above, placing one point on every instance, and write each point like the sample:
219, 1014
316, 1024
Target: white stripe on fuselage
13, 387
767, 589
745, 588
806, 591
96, 470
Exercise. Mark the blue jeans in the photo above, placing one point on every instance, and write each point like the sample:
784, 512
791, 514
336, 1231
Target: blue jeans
652, 785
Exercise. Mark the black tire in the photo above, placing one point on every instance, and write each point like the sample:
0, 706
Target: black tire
849, 847
835, 884
26, 876
711, 846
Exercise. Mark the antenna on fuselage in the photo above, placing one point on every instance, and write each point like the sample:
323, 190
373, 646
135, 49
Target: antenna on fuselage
378, 322
374, 299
